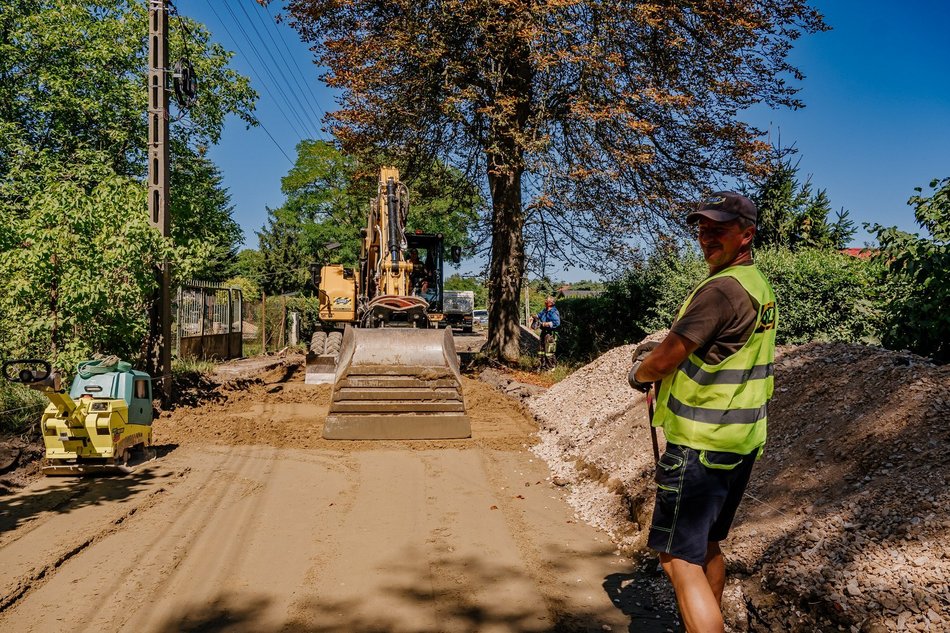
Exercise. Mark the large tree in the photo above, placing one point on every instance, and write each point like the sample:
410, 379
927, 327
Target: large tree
76, 252
592, 121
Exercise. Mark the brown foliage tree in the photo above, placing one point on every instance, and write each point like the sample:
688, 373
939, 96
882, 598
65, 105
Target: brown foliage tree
592, 120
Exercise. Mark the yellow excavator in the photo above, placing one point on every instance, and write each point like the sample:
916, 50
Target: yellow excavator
395, 372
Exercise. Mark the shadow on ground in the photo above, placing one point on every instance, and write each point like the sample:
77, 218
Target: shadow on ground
447, 594
70, 493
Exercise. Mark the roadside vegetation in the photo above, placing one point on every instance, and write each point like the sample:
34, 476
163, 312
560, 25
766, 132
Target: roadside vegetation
77, 255
888, 295
20, 408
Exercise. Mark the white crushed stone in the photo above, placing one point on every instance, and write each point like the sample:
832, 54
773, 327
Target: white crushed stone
594, 422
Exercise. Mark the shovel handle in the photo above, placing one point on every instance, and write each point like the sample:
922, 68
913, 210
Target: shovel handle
26, 370
650, 403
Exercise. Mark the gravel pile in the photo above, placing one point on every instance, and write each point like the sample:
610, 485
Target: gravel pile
595, 436
846, 524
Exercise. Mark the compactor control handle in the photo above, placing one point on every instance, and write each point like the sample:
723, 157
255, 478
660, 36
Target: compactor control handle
27, 371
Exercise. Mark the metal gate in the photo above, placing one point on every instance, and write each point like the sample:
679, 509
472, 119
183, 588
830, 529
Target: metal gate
208, 321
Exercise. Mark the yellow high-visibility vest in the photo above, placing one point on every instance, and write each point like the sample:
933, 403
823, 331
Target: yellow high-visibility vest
723, 407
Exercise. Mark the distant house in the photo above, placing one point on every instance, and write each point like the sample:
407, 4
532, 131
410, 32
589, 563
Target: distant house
568, 293
860, 253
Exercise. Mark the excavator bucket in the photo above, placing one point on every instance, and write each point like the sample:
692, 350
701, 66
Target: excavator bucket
397, 383
322, 356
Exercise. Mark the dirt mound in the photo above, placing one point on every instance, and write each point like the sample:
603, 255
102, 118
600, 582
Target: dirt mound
846, 521
275, 408
19, 462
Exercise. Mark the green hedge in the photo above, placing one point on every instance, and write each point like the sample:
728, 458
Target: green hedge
821, 295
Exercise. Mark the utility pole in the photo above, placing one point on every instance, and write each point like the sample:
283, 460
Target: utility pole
527, 307
158, 165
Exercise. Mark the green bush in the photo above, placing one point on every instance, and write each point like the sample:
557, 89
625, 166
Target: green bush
916, 277
641, 301
821, 295
309, 309
19, 407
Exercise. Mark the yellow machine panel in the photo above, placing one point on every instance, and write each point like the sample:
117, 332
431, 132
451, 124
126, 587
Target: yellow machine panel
338, 292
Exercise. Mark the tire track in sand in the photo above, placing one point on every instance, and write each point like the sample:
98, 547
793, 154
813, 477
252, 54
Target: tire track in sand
121, 562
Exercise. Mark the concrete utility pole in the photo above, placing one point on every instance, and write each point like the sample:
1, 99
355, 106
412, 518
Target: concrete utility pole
158, 164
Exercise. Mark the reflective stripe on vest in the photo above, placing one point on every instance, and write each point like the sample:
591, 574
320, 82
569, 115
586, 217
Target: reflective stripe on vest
724, 376
723, 407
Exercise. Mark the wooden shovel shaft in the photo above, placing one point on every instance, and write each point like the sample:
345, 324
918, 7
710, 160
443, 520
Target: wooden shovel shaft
656, 446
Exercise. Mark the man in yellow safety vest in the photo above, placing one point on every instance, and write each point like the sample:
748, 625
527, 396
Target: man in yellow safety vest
715, 374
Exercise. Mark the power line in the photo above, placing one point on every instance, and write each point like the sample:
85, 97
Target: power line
263, 85
301, 113
289, 159
303, 125
300, 101
299, 75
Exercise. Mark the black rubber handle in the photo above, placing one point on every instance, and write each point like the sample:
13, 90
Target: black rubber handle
26, 371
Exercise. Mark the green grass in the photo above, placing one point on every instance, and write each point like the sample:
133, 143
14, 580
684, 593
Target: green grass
186, 366
20, 407
562, 370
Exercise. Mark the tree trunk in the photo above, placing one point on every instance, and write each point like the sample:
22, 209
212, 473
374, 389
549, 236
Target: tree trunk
150, 352
507, 265
505, 168
54, 310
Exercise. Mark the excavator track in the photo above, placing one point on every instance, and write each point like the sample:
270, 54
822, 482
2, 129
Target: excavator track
397, 383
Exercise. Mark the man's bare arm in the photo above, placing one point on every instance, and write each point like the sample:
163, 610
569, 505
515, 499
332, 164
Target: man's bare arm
667, 356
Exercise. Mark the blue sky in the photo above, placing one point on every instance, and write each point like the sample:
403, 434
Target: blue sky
876, 122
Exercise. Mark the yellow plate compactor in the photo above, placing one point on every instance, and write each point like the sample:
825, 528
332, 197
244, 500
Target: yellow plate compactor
100, 425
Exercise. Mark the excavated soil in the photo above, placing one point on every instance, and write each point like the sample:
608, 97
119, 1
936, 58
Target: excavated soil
275, 407
846, 522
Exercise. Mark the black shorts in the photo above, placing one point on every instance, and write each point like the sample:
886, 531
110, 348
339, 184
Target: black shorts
697, 495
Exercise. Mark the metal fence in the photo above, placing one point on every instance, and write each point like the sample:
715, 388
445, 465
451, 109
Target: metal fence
208, 321
270, 324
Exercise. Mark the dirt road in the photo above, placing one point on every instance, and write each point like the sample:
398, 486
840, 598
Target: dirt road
249, 521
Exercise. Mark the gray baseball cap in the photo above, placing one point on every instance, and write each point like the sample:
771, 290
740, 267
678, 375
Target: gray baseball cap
724, 206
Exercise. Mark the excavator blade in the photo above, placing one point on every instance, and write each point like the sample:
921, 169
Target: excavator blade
320, 369
397, 383
322, 356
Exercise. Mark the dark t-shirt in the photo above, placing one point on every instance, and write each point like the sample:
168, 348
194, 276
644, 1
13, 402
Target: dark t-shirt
719, 319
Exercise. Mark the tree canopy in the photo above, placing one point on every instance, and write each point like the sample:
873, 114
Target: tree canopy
328, 194
793, 213
76, 253
592, 122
